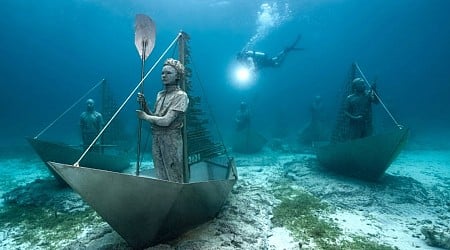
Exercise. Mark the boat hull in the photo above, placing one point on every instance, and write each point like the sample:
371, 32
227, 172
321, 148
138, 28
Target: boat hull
144, 210
50, 151
366, 158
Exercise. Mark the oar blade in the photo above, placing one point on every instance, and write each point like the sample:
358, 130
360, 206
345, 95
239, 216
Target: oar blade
144, 38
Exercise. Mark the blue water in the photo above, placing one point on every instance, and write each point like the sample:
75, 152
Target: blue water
52, 52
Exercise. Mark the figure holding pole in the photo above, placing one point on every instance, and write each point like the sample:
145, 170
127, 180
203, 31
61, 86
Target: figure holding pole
167, 122
145, 42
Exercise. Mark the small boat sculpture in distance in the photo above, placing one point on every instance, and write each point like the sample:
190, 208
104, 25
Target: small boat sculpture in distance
366, 158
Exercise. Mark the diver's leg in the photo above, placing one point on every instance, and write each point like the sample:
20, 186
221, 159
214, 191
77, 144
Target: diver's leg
299, 36
279, 58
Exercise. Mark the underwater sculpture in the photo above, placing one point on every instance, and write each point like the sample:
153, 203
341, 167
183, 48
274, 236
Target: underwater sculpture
245, 139
368, 157
107, 154
145, 210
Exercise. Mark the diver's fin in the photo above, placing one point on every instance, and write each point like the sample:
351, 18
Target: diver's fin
299, 36
292, 47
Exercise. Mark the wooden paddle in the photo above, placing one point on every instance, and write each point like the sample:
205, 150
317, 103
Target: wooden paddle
144, 39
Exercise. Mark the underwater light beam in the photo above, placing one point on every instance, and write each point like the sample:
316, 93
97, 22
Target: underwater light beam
243, 74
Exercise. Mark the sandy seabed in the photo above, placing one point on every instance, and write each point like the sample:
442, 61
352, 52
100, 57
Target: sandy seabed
414, 193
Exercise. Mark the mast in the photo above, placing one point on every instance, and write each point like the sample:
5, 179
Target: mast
198, 143
341, 126
182, 58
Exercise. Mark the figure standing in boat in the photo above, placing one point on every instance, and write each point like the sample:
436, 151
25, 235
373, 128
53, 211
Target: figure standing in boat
91, 123
358, 108
167, 121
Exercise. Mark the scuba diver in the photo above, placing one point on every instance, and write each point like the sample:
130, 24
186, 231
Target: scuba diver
256, 60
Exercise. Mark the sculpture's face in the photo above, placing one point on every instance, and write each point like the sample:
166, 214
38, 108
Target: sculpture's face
358, 85
169, 75
90, 105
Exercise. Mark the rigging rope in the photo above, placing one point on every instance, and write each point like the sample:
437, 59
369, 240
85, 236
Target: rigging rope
71, 107
378, 97
77, 163
210, 109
